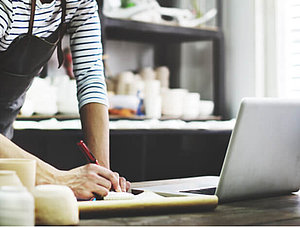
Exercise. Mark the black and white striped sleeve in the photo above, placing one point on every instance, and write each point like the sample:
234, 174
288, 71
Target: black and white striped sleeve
5, 15
86, 46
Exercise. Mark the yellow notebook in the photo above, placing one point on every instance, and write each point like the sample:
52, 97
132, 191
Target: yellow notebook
147, 203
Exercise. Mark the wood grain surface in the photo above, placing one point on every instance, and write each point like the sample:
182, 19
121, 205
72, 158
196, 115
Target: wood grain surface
281, 210
284, 210
149, 206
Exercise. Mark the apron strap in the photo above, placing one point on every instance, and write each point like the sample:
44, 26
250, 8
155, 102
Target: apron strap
63, 27
32, 12
63, 7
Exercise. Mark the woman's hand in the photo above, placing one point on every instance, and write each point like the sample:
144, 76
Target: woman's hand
124, 184
91, 178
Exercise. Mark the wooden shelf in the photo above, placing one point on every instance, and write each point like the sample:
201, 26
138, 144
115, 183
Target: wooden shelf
121, 29
62, 117
38, 117
167, 40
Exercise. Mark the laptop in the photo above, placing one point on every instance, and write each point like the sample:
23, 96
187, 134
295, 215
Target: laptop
262, 158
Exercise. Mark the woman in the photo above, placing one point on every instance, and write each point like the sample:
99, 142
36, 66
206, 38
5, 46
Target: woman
30, 31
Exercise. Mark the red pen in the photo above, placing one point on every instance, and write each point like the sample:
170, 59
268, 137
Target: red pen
87, 153
91, 159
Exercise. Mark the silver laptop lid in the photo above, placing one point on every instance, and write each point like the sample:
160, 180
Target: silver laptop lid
263, 155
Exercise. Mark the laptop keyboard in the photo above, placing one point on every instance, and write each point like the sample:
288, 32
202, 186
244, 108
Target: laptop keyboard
205, 191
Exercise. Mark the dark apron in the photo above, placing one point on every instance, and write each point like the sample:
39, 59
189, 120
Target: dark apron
20, 63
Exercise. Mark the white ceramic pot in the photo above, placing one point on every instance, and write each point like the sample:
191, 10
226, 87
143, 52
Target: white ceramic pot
124, 81
66, 97
163, 74
147, 73
25, 169
172, 104
153, 107
206, 107
191, 103
55, 205
16, 206
9, 178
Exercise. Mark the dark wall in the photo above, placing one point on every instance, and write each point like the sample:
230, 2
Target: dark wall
136, 154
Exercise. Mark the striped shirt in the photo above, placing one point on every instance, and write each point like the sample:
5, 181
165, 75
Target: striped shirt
85, 38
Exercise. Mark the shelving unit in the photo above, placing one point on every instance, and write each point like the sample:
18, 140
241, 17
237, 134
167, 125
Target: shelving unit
166, 41
155, 33
147, 154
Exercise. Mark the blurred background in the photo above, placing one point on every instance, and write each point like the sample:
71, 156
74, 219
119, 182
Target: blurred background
208, 54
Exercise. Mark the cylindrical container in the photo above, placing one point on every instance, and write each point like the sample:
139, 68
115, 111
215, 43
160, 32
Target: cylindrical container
136, 86
66, 96
191, 105
124, 81
55, 205
206, 107
172, 102
9, 178
152, 99
25, 169
43, 96
152, 88
16, 206
147, 73
153, 107
27, 109
163, 74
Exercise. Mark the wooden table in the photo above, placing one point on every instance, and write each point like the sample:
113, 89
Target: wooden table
282, 210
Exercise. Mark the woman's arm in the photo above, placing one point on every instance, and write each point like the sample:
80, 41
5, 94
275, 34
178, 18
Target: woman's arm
94, 119
84, 180
86, 47
95, 124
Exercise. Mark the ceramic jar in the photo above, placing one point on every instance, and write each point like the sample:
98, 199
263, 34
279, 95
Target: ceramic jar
9, 178
16, 206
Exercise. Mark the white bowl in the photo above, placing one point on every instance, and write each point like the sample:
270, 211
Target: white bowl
206, 108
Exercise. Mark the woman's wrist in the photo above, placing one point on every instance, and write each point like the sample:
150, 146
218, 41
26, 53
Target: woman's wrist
47, 174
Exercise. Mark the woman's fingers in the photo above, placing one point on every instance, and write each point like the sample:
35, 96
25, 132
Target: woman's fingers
111, 176
122, 181
127, 186
89, 179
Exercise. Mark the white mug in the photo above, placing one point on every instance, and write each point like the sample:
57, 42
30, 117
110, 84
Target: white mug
172, 104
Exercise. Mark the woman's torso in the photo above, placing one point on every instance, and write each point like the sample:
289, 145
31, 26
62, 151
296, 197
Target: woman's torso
47, 19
